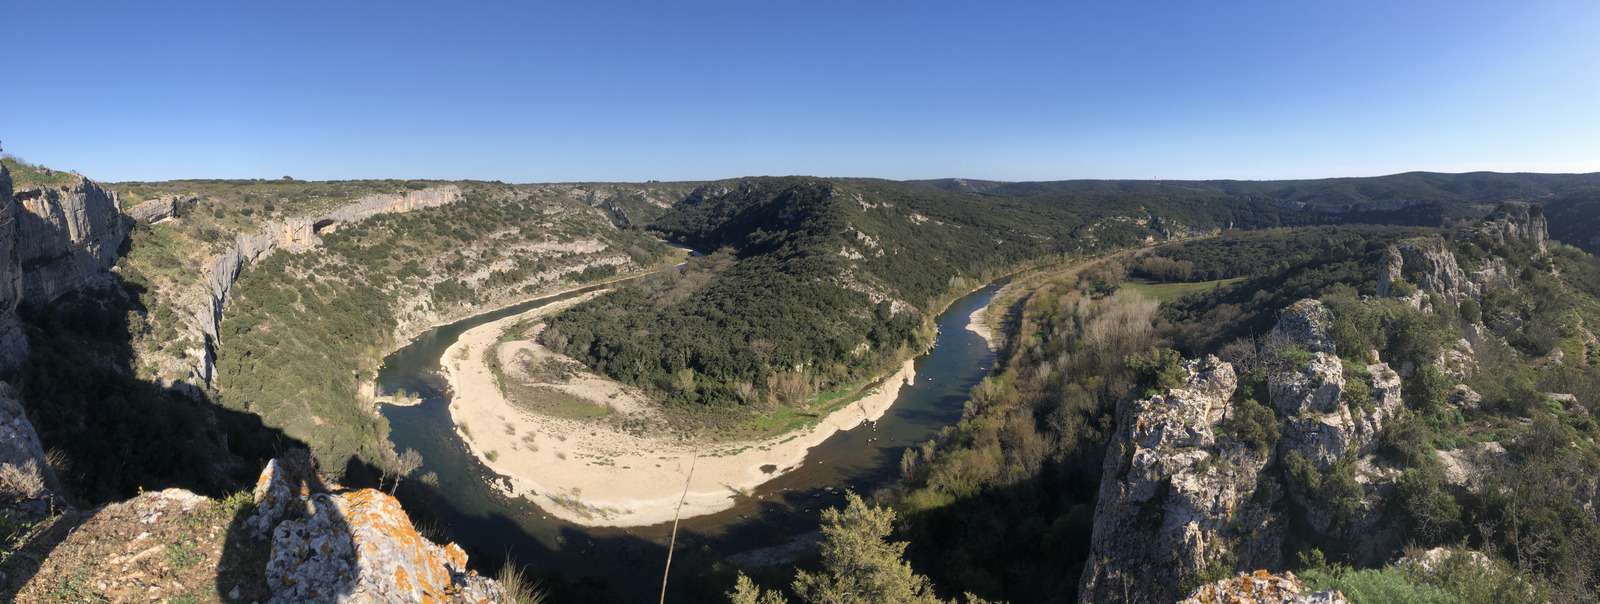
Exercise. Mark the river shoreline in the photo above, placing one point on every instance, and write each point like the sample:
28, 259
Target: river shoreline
592, 474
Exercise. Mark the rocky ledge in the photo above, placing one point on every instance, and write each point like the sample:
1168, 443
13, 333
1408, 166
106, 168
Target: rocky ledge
1261, 587
352, 545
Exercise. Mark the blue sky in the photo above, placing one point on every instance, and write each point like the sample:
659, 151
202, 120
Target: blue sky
537, 91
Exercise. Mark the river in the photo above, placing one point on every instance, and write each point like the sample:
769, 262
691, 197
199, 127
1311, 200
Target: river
627, 561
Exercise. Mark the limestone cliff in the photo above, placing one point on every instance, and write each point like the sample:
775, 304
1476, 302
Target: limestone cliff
19, 444
1179, 492
13, 342
385, 203
1517, 220
68, 238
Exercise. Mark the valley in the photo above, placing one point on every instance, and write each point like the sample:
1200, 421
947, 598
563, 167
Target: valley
532, 373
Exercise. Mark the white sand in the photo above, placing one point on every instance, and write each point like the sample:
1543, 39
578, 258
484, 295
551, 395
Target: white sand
977, 323
589, 473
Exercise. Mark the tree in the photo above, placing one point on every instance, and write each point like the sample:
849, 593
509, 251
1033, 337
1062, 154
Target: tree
860, 565
401, 465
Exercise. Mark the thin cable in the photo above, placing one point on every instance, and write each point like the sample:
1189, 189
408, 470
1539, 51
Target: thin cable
674, 542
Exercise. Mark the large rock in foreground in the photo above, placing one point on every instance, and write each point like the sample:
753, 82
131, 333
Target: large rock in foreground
1261, 587
1178, 493
342, 545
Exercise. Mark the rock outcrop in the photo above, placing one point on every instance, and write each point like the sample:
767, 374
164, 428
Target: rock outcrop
19, 444
386, 203
353, 545
1261, 587
13, 341
1430, 266
68, 237
1176, 495
1516, 220
1179, 492
161, 209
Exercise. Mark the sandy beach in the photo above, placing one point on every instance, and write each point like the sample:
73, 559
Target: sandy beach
977, 323
590, 473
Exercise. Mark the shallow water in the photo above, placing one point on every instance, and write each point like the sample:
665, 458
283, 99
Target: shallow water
629, 559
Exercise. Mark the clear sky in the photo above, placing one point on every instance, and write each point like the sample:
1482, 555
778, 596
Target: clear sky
688, 90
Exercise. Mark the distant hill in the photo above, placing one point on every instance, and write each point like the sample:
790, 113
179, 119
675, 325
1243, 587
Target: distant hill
1458, 194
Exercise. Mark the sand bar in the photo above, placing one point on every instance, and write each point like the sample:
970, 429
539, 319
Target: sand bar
590, 473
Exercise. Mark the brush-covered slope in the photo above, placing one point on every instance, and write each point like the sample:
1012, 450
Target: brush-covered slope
821, 283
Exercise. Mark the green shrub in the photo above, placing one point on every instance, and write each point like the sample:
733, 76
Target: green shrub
1159, 369
1255, 425
1386, 586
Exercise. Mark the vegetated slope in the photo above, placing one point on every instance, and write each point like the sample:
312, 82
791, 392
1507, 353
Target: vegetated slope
1418, 196
825, 282
306, 329
1477, 330
1575, 220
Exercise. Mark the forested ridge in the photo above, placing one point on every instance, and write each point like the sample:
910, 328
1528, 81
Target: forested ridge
1002, 505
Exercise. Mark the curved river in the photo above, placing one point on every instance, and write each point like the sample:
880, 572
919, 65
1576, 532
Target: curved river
628, 561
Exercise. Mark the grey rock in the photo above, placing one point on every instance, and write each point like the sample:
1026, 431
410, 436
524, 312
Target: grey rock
353, 545
158, 210
19, 444
1174, 497
68, 238
13, 340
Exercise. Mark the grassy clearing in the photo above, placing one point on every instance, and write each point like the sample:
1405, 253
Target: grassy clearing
1167, 292
544, 400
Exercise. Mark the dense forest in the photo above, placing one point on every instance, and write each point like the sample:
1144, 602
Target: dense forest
822, 283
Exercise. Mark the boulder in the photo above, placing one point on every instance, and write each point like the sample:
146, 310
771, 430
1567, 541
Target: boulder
331, 544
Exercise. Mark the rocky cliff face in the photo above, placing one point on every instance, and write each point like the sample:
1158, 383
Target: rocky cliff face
340, 545
1177, 494
373, 205
161, 209
1517, 220
19, 444
68, 237
13, 342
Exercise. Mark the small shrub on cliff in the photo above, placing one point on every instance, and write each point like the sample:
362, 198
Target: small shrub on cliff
1255, 425
1158, 370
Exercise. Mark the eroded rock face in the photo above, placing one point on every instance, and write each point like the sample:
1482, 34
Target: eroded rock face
19, 444
384, 203
1429, 265
1517, 220
68, 237
13, 341
352, 545
1261, 587
1175, 496
161, 209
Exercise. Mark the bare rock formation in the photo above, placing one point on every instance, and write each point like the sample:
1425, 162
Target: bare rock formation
353, 545
1261, 587
13, 341
161, 209
19, 444
1516, 220
386, 203
68, 238
1176, 496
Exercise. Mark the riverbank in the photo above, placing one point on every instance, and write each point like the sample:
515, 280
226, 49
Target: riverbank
591, 473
